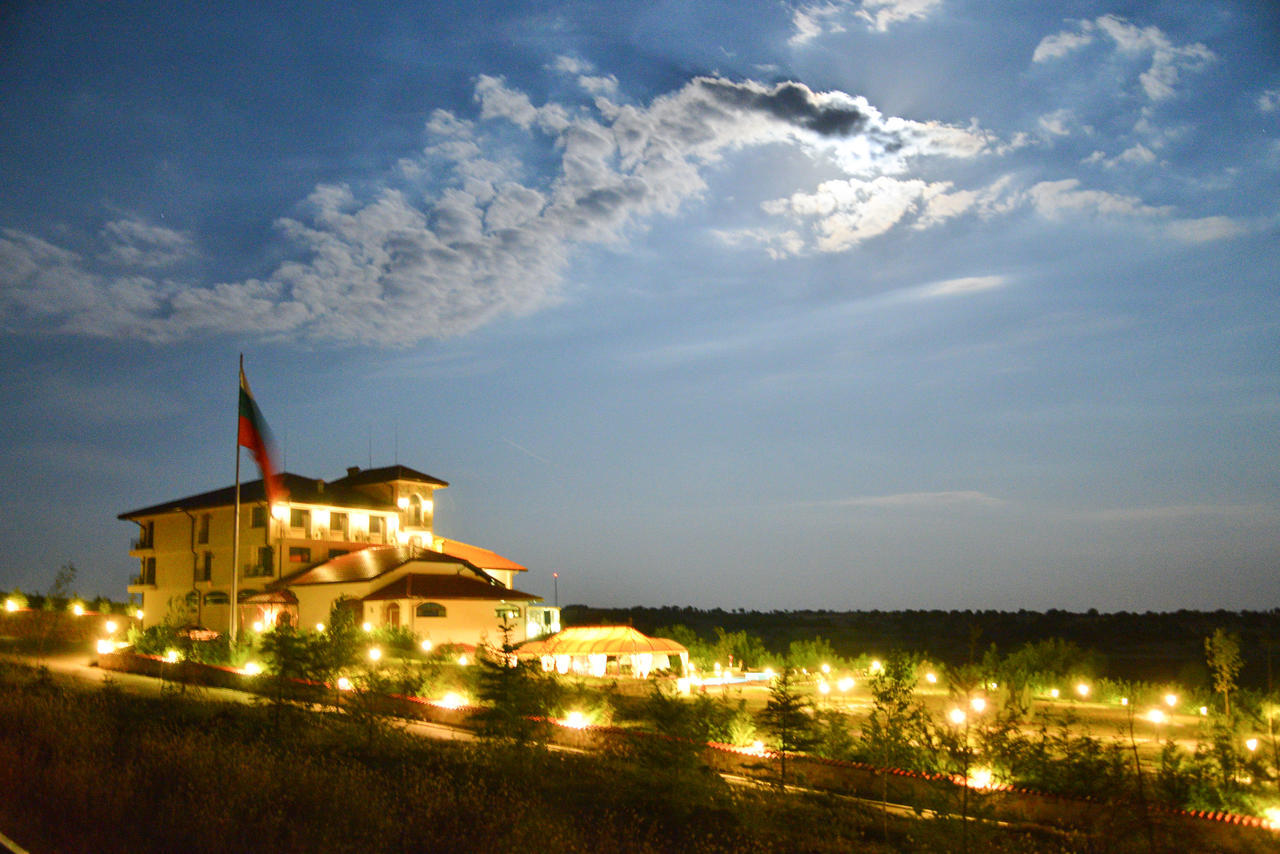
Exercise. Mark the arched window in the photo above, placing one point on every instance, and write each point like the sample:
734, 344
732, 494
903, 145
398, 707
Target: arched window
246, 593
415, 510
430, 609
216, 597
391, 616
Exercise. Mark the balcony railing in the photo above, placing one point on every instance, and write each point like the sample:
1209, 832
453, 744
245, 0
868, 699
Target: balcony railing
257, 570
141, 543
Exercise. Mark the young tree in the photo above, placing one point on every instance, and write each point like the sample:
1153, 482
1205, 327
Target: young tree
510, 693
1222, 653
787, 717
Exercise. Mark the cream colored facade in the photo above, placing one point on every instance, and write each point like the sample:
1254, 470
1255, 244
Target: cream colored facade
185, 550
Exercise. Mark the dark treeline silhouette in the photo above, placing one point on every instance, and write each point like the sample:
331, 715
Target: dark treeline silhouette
1150, 646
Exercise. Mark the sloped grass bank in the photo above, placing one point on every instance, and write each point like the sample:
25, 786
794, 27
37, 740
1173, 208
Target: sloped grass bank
104, 771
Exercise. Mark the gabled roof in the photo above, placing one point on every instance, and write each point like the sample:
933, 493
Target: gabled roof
416, 585
301, 490
367, 564
357, 477
478, 556
601, 640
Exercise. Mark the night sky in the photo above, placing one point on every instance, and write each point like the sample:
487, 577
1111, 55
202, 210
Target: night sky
883, 304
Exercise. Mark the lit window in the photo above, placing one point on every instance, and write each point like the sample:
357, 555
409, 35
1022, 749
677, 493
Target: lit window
508, 612
299, 554
430, 609
300, 518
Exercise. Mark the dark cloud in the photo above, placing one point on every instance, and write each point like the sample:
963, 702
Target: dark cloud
791, 102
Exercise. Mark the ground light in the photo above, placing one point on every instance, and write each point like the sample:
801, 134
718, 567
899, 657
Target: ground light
257, 626
980, 778
426, 645
319, 627
1054, 693
138, 613
453, 700
252, 668
824, 688
1171, 700
978, 704
344, 684
574, 720
956, 716
1252, 744
1156, 716
1083, 690
77, 609
110, 627
845, 684
375, 653
11, 605
171, 656
931, 678
106, 647
462, 660
368, 627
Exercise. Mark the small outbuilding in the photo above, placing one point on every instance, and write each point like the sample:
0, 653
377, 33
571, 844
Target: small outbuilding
600, 650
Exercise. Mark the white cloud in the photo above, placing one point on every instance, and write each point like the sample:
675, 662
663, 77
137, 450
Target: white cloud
1269, 101
811, 20
594, 83
1168, 60
1057, 123
1056, 198
961, 286
1205, 229
134, 243
1060, 44
882, 14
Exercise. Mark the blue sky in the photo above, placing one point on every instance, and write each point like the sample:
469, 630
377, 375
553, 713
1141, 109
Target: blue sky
883, 304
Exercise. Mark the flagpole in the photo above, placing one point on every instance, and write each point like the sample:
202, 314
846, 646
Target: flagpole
235, 535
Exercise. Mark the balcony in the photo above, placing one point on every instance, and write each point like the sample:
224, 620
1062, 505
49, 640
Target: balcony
141, 544
139, 583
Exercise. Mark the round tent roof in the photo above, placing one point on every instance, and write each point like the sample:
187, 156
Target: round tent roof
601, 640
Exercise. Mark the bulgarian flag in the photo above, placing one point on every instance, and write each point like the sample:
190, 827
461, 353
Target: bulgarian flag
255, 436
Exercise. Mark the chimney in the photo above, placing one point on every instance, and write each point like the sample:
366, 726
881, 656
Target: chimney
352, 471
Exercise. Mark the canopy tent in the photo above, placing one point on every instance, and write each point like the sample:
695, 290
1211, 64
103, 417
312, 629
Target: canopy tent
587, 650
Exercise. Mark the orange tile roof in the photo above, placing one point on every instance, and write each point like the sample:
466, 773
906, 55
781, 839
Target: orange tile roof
482, 558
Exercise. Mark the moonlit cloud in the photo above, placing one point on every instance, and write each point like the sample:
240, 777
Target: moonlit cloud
1269, 101
1205, 229
965, 285
134, 243
1168, 60
382, 267
811, 20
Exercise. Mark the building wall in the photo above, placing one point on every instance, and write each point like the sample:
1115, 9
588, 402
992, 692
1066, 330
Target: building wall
466, 621
180, 556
